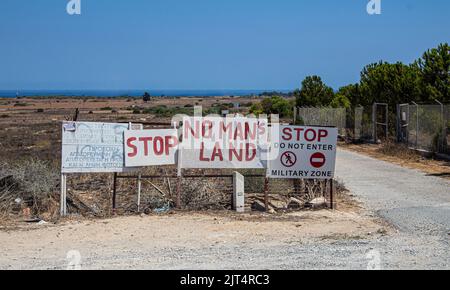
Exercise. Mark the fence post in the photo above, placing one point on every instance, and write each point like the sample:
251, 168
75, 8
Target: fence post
179, 174
114, 193
139, 193
238, 192
295, 115
417, 124
387, 123
408, 117
398, 124
266, 193
63, 201
374, 122
444, 129
332, 194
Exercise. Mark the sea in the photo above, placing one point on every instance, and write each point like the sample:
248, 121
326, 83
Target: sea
131, 93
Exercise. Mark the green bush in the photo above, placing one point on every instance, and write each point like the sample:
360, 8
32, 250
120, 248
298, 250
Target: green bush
273, 105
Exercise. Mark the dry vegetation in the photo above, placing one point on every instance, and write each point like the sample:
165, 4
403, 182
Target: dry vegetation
402, 155
30, 136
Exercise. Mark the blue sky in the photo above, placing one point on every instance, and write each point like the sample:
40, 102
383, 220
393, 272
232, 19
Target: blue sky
208, 44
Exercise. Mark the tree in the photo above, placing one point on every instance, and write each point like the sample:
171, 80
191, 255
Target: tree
435, 72
389, 83
146, 97
257, 109
340, 101
352, 93
314, 92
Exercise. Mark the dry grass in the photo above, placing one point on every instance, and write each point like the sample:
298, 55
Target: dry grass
403, 156
33, 184
35, 137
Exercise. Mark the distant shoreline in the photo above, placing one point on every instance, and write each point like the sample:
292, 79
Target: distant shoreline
132, 93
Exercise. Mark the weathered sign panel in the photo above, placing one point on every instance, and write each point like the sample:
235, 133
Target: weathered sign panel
150, 147
303, 152
89, 147
226, 143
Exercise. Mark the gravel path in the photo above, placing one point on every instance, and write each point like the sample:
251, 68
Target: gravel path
412, 201
417, 204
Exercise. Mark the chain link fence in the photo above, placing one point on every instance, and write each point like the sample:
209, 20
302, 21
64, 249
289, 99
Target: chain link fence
323, 116
424, 127
362, 122
353, 124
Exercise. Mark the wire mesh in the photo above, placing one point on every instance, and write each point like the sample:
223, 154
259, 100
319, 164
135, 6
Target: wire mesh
323, 116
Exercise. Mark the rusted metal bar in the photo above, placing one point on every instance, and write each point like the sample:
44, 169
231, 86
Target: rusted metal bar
266, 193
187, 176
331, 194
178, 200
114, 193
169, 125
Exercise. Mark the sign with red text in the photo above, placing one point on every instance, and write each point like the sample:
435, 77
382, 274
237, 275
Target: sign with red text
223, 143
303, 152
150, 147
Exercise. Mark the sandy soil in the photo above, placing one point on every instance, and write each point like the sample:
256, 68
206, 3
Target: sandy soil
138, 241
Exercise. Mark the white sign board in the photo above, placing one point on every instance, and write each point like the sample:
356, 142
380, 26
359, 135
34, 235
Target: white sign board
150, 147
303, 153
89, 147
226, 143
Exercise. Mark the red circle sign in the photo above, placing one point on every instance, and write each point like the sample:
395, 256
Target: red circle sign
318, 160
288, 159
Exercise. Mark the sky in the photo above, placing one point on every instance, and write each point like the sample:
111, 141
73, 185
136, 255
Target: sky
208, 44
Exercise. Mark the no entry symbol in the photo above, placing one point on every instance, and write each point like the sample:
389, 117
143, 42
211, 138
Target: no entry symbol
288, 159
318, 160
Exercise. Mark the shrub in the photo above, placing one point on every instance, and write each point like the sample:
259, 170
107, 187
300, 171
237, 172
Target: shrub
33, 182
273, 105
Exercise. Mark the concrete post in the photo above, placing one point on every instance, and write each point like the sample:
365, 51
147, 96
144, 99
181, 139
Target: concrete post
238, 192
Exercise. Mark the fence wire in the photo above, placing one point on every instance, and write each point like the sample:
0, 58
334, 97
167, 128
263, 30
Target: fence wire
323, 116
363, 124
425, 127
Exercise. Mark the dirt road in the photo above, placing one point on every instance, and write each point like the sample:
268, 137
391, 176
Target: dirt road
413, 201
218, 240
349, 238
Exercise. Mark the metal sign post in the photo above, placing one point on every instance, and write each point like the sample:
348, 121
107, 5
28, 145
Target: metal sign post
266, 193
114, 193
63, 202
179, 172
332, 206
139, 182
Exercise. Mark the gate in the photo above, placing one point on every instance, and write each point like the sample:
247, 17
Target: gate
403, 123
380, 120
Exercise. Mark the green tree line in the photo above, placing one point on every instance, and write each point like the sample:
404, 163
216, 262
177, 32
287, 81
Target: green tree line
425, 80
